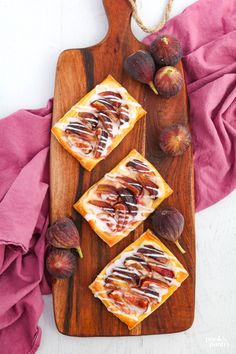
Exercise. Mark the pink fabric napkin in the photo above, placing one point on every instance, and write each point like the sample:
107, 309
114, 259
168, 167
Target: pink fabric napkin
207, 31
24, 203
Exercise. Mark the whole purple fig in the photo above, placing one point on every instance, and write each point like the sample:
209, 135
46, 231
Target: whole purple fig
169, 224
166, 50
64, 234
61, 263
168, 81
141, 67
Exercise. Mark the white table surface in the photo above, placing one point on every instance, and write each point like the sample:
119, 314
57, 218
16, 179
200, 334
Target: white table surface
32, 34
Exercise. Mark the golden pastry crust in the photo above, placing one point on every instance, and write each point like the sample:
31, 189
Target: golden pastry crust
133, 320
83, 208
90, 162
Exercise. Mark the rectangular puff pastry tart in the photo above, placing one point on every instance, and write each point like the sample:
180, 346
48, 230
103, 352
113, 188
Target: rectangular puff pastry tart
95, 125
139, 280
123, 198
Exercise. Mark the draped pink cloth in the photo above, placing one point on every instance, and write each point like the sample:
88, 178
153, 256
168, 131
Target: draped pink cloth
207, 31
24, 204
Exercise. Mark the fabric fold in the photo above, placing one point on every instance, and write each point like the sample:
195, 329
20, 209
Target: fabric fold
24, 207
209, 61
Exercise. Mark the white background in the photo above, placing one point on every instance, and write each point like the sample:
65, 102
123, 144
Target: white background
32, 34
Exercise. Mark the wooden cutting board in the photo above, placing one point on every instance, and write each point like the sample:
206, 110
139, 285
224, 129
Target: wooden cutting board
76, 311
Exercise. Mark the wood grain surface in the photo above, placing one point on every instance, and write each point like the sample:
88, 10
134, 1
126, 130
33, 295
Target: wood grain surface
76, 311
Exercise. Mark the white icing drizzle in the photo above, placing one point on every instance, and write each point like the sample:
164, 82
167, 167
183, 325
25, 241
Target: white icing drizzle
116, 129
144, 203
156, 291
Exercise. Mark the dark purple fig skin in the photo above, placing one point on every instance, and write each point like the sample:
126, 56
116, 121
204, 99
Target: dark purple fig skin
169, 224
166, 50
175, 139
168, 81
61, 263
64, 234
141, 67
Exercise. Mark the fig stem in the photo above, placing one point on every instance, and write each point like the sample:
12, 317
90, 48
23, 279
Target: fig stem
151, 84
79, 250
180, 247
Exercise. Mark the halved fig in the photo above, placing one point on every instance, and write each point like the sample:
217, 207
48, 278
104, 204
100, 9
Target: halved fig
103, 206
134, 186
165, 272
74, 140
105, 106
139, 166
106, 122
121, 215
149, 185
136, 300
102, 136
137, 264
107, 191
81, 130
150, 282
124, 114
113, 97
117, 296
89, 119
129, 199
126, 274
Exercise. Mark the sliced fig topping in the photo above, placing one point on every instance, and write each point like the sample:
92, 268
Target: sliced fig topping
128, 198
139, 166
89, 119
153, 283
152, 255
103, 206
137, 264
150, 186
109, 220
165, 272
104, 106
136, 300
126, 274
117, 296
108, 191
85, 146
121, 215
114, 282
134, 186
81, 130
102, 136
150, 251
106, 122
152, 294
124, 114
113, 97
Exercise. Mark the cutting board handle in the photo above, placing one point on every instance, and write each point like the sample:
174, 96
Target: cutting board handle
119, 15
